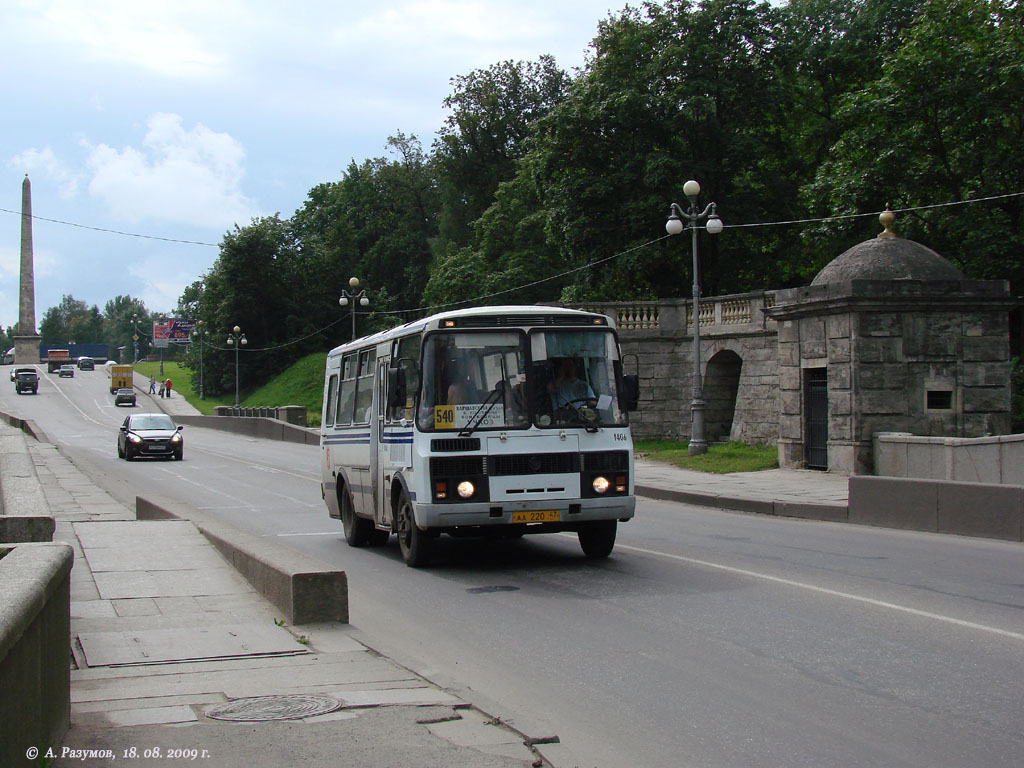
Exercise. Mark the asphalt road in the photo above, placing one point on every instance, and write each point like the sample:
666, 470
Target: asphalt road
707, 639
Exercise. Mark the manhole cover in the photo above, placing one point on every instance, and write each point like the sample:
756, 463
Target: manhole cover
260, 708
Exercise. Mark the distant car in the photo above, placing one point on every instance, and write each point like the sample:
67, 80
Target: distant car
86, 364
26, 380
124, 396
149, 434
66, 371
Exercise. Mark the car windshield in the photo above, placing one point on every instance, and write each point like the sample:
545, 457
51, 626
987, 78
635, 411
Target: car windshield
155, 421
486, 380
126, 391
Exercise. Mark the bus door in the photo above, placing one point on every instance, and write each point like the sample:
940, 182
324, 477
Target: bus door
379, 464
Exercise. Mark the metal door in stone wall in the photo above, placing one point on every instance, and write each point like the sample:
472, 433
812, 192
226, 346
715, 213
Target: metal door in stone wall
816, 417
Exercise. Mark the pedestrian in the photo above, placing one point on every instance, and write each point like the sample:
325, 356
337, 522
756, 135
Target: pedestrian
161, 389
168, 386
152, 385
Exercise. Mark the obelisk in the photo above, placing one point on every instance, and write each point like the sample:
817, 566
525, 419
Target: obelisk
26, 340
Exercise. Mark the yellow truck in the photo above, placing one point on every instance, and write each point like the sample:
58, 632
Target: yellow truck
121, 377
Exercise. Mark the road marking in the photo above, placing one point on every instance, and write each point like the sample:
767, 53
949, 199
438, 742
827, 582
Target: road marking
830, 592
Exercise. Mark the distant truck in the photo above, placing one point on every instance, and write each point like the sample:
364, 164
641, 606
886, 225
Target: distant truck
55, 358
121, 377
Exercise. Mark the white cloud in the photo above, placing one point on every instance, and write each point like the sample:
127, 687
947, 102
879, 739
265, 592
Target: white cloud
45, 161
156, 35
192, 176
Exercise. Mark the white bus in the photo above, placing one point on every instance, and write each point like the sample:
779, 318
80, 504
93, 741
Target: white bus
489, 421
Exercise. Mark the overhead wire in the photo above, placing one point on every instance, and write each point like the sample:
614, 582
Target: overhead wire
565, 273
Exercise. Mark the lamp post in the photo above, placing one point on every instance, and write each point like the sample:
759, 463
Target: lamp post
135, 337
346, 295
163, 321
201, 332
236, 339
674, 226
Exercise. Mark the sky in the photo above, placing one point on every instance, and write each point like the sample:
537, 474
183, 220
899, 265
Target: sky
172, 122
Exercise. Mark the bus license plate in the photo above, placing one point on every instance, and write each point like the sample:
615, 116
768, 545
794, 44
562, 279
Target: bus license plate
537, 516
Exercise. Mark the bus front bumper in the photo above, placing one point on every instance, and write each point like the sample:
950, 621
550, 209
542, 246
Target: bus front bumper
557, 514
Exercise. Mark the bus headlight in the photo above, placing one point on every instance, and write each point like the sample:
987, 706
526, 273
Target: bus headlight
601, 484
465, 489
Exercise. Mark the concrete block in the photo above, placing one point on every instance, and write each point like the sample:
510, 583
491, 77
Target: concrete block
975, 461
302, 587
891, 502
975, 509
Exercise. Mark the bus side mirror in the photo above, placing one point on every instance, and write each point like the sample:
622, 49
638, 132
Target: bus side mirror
630, 400
396, 387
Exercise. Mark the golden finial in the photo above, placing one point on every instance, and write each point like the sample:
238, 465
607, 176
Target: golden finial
887, 218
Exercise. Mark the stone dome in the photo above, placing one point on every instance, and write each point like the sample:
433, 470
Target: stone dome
887, 257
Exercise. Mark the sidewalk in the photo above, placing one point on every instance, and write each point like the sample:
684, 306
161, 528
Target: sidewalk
785, 492
165, 632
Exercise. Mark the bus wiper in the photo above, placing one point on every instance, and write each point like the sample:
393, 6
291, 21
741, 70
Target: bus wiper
485, 408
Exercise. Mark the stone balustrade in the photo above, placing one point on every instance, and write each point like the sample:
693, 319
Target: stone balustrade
718, 314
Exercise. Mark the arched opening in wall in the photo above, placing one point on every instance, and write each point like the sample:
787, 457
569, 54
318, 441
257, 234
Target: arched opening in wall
721, 383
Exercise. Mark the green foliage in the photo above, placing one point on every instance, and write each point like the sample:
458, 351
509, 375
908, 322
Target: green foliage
544, 186
719, 459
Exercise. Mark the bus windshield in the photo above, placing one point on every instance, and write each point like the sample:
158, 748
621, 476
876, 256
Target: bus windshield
510, 380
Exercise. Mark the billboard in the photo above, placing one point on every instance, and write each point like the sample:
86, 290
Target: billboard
172, 331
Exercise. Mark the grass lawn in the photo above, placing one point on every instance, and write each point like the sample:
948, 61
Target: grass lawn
720, 459
300, 384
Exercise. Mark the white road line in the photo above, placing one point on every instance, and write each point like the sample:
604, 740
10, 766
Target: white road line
830, 592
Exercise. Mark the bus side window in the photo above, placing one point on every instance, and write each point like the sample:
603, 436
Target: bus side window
347, 395
332, 399
364, 388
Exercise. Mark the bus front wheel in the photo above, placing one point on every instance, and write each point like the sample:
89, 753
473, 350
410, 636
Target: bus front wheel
598, 538
414, 543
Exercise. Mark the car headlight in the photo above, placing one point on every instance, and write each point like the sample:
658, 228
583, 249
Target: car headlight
601, 484
176, 438
466, 489
135, 438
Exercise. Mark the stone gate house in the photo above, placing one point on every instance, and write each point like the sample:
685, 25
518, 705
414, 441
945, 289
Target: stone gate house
889, 337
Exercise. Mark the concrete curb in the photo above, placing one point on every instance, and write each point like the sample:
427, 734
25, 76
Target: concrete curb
304, 589
836, 513
254, 426
24, 511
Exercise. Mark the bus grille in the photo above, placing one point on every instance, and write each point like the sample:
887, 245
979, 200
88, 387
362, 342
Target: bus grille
451, 444
606, 461
451, 466
535, 464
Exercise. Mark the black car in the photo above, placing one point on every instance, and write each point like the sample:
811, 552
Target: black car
124, 396
86, 364
149, 434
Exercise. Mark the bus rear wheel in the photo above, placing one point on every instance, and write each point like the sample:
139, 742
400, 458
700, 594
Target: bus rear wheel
358, 530
415, 544
598, 538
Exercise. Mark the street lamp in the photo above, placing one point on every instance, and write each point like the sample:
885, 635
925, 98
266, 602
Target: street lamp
200, 332
163, 321
674, 226
135, 337
236, 340
346, 295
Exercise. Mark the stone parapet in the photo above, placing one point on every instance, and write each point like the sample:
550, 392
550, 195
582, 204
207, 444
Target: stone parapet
35, 638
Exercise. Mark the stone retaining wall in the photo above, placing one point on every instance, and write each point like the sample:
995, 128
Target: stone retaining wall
35, 642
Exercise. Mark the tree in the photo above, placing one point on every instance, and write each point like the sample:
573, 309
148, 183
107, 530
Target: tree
493, 112
943, 123
122, 316
71, 321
